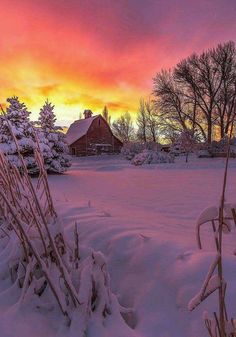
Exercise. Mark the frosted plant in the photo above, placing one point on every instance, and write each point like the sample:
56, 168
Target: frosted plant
220, 219
152, 157
46, 269
131, 149
186, 143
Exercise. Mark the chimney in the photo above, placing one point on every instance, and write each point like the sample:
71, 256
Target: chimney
87, 114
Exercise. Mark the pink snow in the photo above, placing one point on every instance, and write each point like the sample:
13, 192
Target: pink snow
143, 220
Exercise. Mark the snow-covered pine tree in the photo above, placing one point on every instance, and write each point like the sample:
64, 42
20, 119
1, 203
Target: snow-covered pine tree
17, 117
47, 117
56, 159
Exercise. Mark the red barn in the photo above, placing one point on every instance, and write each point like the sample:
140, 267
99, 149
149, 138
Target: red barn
91, 135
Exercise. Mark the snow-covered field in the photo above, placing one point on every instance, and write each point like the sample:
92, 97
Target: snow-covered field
143, 220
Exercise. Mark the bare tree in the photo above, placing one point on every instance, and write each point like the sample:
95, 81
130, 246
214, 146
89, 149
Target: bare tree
152, 120
176, 113
203, 78
147, 121
199, 93
169, 99
123, 127
142, 121
225, 57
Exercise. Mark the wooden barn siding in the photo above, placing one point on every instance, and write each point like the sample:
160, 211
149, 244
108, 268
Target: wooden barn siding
118, 143
98, 133
79, 146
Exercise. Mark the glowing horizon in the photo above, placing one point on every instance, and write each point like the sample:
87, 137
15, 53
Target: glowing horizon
87, 54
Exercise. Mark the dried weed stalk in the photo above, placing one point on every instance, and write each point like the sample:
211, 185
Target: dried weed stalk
41, 257
220, 219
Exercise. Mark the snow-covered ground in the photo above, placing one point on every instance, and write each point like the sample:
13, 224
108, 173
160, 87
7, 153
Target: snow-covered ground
158, 200
143, 220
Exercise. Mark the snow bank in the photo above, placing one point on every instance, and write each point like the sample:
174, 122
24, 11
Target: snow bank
144, 224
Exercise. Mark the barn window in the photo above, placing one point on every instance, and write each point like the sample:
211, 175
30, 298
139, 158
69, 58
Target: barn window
99, 122
73, 151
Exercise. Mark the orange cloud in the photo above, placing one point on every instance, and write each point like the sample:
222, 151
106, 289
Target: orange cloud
87, 54
46, 90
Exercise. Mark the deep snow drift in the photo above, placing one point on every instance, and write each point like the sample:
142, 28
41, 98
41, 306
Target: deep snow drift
143, 220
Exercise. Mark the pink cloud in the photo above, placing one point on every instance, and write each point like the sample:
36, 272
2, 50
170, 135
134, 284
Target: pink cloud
109, 45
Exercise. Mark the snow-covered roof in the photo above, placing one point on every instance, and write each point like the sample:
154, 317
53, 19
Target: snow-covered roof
78, 129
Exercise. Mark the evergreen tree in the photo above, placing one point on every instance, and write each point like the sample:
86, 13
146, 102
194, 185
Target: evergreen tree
56, 159
47, 117
105, 114
17, 117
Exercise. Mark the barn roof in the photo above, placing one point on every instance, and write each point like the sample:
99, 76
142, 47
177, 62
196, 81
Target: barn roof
78, 129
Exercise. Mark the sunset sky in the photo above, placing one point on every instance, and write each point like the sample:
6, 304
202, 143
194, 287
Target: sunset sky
90, 53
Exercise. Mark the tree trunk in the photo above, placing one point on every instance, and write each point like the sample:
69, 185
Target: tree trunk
222, 133
222, 128
154, 136
144, 135
209, 130
186, 158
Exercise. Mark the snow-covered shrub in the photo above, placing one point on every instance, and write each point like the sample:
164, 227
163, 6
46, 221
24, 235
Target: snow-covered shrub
152, 157
203, 153
219, 148
186, 143
53, 143
175, 149
130, 149
46, 269
141, 158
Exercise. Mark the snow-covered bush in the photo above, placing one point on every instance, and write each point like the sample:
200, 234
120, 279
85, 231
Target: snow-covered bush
184, 144
152, 157
48, 271
53, 143
203, 154
217, 148
130, 149
17, 117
